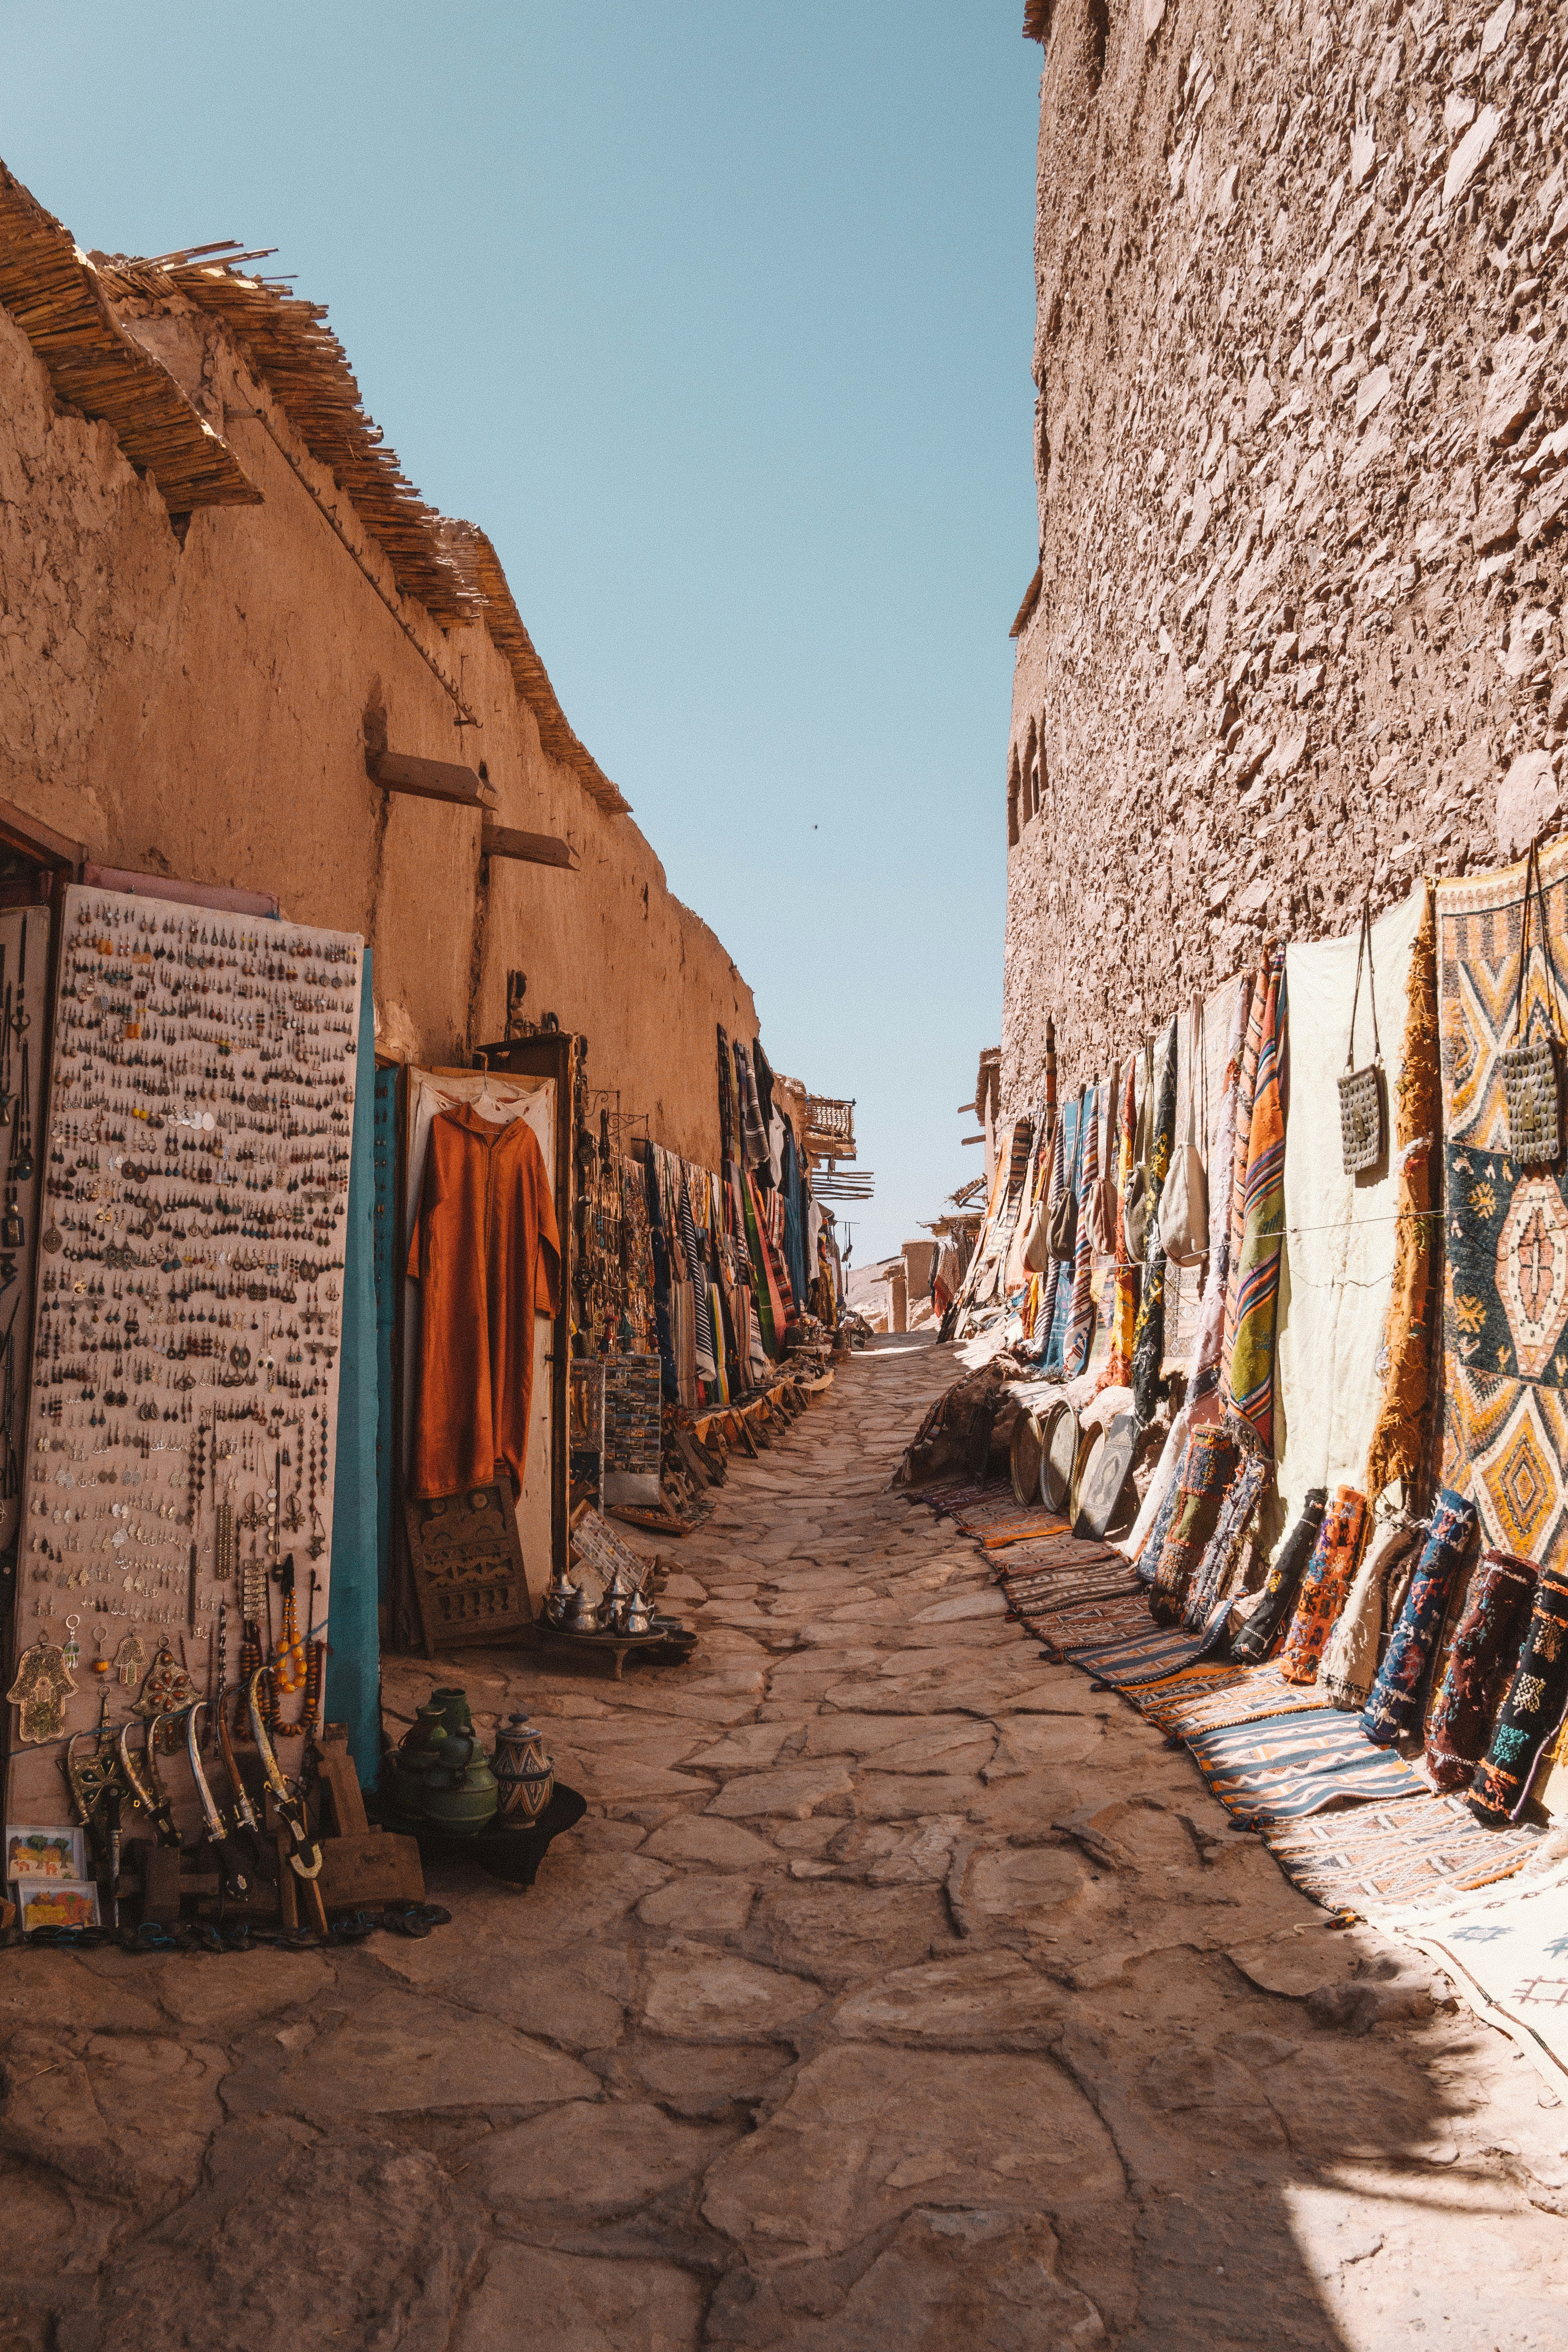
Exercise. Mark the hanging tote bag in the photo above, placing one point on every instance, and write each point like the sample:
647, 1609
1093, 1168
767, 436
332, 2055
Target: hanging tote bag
1102, 1200
1135, 1207
1184, 1200
1363, 1110
1530, 1077
1036, 1244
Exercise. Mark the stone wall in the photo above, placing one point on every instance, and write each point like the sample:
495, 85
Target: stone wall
194, 697
1302, 458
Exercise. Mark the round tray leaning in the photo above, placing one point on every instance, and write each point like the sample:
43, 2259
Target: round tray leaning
1028, 1455
1060, 1447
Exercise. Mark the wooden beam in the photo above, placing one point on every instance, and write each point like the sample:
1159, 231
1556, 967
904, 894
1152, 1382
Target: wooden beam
532, 848
429, 780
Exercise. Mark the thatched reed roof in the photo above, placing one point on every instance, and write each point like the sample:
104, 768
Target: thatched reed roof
56, 299
62, 301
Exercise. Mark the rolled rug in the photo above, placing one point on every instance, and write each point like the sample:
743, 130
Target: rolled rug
1205, 1474
1532, 1711
1348, 1666
1257, 1637
1324, 1586
1147, 1538
1212, 1578
1482, 1660
1394, 1705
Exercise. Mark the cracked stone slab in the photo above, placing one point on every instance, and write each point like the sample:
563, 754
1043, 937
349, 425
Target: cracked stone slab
702, 1996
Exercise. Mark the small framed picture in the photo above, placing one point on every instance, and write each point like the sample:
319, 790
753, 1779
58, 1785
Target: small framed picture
57, 1903
32, 1851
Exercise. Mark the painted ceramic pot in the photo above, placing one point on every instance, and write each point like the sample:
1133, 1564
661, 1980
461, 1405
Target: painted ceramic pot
525, 1776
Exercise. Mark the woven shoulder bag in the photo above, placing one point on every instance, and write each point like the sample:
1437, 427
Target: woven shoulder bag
1530, 1077
1362, 1104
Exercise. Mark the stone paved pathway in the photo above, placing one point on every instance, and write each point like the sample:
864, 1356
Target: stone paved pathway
897, 1989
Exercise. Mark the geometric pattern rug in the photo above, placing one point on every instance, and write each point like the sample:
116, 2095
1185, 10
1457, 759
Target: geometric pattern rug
1296, 1765
1421, 1851
1248, 1695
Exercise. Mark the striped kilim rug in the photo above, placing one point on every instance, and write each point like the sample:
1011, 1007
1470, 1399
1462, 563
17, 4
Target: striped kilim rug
1040, 1605
1024, 1527
1120, 1616
1154, 1655
1256, 1695
1295, 1765
1423, 1850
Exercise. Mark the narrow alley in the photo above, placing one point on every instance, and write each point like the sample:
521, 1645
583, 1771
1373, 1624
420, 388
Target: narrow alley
896, 1988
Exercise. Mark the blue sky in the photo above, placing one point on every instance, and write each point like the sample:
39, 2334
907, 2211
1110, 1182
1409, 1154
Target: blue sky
718, 318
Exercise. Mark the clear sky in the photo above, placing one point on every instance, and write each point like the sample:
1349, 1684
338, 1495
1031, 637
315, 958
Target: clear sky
719, 318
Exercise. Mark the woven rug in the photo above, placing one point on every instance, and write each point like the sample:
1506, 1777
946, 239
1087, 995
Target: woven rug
1294, 1765
1424, 1849
1252, 1696
1508, 1954
999, 1508
1169, 1705
1025, 1526
1116, 1618
1154, 1655
1506, 1368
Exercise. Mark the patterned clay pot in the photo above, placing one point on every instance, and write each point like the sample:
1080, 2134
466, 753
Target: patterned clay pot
525, 1776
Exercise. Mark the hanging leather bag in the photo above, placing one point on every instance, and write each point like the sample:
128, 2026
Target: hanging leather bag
1184, 1196
1140, 1182
1530, 1074
1363, 1121
1102, 1200
1036, 1242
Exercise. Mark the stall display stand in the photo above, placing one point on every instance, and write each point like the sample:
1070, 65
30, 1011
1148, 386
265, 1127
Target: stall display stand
177, 1512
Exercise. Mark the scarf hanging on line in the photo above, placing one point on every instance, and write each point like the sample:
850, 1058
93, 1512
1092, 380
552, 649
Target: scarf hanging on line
1148, 1334
1080, 1310
1485, 1653
1204, 1376
1324, 1587
1397, 1439
1117, 1370
753, 1132
1532, 1709
697, 1273
1251, 1384
1246, 1094
1394, 1708
1056, 1178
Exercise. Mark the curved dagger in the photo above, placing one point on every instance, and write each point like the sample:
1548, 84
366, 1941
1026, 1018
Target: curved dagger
305, 1850
230, 1861
149, 1793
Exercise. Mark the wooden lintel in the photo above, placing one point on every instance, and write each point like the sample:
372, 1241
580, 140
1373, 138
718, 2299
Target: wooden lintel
429, 780
533, 849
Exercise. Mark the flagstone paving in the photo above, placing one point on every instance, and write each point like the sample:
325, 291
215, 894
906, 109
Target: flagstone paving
896, 1990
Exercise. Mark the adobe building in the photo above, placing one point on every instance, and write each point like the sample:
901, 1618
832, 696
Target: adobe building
233, 637
1301, 429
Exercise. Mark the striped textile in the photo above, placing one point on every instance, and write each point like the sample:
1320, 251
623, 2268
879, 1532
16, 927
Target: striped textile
1149, 1332
1118, 1369
1245, 1092
1057, 1301
1081, 1312
1293, 1766
1203, 1372
1251, 1382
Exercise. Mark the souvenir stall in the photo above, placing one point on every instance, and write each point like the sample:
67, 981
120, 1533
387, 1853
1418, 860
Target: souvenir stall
175, 1589
1321, 1540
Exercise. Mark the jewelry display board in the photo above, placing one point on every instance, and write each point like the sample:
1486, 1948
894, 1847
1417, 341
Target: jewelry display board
181, 1438
24, 978
586, 1445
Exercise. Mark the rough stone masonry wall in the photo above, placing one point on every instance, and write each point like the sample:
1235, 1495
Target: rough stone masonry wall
1302, 457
